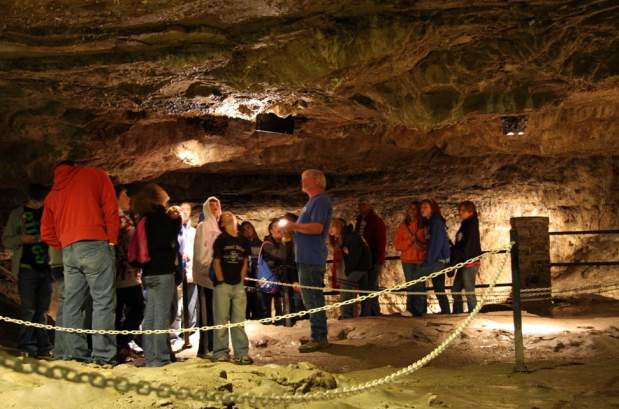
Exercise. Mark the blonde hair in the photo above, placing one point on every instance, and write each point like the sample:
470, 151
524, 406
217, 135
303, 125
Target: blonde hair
228, 218
149, 197
318, 176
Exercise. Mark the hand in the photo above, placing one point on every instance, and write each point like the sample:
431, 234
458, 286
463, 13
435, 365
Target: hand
296, 287
29, 239
174, 212
186, 258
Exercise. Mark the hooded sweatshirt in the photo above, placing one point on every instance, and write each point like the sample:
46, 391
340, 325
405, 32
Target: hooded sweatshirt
206, 234
81, 206
468, 243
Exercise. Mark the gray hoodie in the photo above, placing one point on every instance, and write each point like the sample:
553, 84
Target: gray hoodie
206, 234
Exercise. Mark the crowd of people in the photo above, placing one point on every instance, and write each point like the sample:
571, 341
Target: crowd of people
124, 258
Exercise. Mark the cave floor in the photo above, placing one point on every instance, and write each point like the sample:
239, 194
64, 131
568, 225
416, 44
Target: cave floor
573, 361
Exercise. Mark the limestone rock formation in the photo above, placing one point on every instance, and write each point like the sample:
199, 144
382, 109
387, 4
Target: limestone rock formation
394, 99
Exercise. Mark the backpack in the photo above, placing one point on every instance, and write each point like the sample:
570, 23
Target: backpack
264, 272
138, 247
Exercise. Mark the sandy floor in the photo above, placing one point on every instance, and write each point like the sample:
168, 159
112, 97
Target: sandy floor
573, 361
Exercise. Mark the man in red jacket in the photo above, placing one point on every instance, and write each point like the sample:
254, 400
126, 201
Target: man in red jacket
81, 217
372, 228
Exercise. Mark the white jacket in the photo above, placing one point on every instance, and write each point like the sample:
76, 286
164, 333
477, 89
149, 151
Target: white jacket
206, 234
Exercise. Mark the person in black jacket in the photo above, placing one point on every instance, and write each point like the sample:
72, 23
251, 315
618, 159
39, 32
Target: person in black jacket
357, 260
467, 246
277, 256
162, 227
254, 301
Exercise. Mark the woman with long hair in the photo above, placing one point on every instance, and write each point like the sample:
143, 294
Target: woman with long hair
357, 261
410, 241
161, 227
254, 301
438, 252
467, 246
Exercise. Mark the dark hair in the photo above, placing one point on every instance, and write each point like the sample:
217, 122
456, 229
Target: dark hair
119, 189
37, 192
273, 223
248, 223
468, 205
67, 162
407, 218
148, 198
436, 210
291, 217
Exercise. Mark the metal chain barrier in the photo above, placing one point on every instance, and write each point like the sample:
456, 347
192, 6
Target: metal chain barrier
230, 397
262, 321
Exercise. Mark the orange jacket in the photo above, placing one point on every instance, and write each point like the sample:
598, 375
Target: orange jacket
410, 241
81, 206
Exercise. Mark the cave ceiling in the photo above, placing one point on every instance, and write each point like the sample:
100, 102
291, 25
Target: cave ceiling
142, 88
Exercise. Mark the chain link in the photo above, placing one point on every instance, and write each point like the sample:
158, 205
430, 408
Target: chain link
262, 321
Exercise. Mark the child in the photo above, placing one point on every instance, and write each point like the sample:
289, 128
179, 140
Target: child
230, 261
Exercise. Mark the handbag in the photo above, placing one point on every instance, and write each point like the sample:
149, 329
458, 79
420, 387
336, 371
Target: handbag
138, 247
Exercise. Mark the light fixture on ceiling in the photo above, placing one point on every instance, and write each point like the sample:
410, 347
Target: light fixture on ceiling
269, 122
514, 125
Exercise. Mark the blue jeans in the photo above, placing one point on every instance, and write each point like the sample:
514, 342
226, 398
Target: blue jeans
354, 280
465, 278
416, 304
313, 275
35, 293
229, 305
159, 297
61, 345
438, 283
89, 269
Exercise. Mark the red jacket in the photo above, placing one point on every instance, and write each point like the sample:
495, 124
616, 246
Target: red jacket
81, 206
375, 234
410, 241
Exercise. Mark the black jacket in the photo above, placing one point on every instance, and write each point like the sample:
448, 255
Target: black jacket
162, 235
280, 258
357, 255
468, 242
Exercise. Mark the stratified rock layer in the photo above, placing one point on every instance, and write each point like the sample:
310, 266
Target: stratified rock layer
144, 88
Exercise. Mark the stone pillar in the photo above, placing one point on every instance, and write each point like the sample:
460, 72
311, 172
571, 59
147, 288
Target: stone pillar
533, 255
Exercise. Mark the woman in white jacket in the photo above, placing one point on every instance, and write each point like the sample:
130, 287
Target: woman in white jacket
206, 233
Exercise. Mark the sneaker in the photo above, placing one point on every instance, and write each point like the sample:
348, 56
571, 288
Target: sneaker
313, 346
246, 360
222, 359
406, 314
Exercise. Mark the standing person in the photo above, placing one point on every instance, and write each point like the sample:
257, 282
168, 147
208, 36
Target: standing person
231, 263
310, 238
129, 294
30, 263
206, 234
372, 228
410, 241
467, 246
276, 255
81, 216
186, 315
357, 260
255, 303
438, 252
295, 301
161, 227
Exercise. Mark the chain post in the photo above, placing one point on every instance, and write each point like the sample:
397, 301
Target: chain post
517, 310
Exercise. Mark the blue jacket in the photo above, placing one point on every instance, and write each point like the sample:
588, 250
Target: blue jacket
437, 241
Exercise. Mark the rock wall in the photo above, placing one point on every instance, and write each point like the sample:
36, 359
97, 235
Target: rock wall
575, 193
